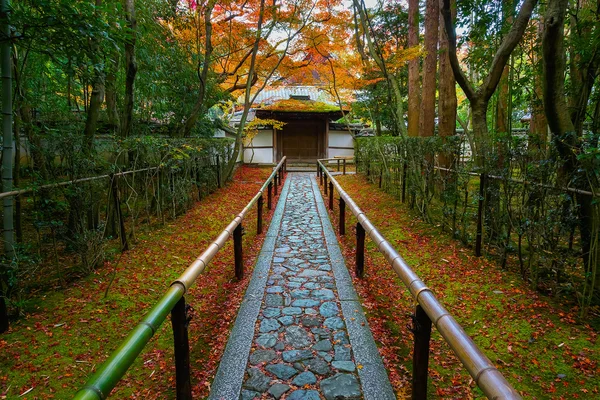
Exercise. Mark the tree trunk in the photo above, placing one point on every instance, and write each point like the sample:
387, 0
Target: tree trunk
130, 69
447, 101
96, 99
112, 111
191, 120
479, 98
502, 105
414, 89
427, 116
538, 127
559, 121
247, 103
481, 138
378, 58
427, 112
7, 157
17, 135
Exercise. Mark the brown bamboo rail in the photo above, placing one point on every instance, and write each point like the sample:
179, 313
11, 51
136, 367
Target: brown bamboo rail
484, 373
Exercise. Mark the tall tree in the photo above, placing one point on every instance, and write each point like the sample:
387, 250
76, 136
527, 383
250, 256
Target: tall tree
112, 112
376, 54
98, 88
563, 123
538, 128
414, 88
447, 101
479, 97
130, 68
204, 67
427, 115
7, 155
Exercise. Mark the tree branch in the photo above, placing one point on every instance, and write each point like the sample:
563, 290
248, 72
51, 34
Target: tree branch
459, 75
506, 47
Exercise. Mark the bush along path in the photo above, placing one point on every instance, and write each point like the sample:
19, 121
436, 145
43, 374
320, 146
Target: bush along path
51, 351
535, 341
297, 336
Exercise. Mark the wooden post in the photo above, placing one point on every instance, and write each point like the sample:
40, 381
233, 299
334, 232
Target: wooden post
275, 184
318, 170
338, 165
325, 184
360, 250
237, 252
344, 166
422, 332
342, 227
117, 204
478, 239
259, 213
269, 195
330, 195
219, 183
179, 322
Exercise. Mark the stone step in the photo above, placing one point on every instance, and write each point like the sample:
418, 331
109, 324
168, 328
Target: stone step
294, 168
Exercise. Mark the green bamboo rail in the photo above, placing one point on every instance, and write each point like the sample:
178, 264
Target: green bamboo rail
484, 373
100, 384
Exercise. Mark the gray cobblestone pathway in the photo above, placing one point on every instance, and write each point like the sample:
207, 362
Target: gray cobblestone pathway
301, 347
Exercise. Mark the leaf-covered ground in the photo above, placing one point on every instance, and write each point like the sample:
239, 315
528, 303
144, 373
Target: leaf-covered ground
533, 340
66, 334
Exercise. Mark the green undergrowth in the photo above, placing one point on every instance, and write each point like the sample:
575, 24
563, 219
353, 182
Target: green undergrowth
535, 341
65, 335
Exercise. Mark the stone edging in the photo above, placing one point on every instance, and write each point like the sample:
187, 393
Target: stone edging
227, 384
373, 376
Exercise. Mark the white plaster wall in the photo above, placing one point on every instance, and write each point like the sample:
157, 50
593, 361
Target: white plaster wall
263, 138
261, 156
340, 153
340, 139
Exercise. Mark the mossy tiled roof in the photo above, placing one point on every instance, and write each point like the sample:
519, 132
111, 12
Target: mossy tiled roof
308, 106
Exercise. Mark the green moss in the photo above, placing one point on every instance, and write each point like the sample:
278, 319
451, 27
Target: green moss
306, 106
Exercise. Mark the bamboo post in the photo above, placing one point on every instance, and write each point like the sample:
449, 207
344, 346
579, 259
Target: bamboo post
360, 250
237, 252
330, 195
117, 205
269, 195
342, 226
259, 213
422, 332
179, 322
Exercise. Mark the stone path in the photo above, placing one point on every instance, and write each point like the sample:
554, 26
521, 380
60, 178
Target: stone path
300, 347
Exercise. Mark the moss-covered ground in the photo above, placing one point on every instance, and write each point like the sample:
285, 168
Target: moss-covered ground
66, 334
537, 342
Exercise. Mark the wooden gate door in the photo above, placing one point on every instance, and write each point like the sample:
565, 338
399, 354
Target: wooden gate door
301, 139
